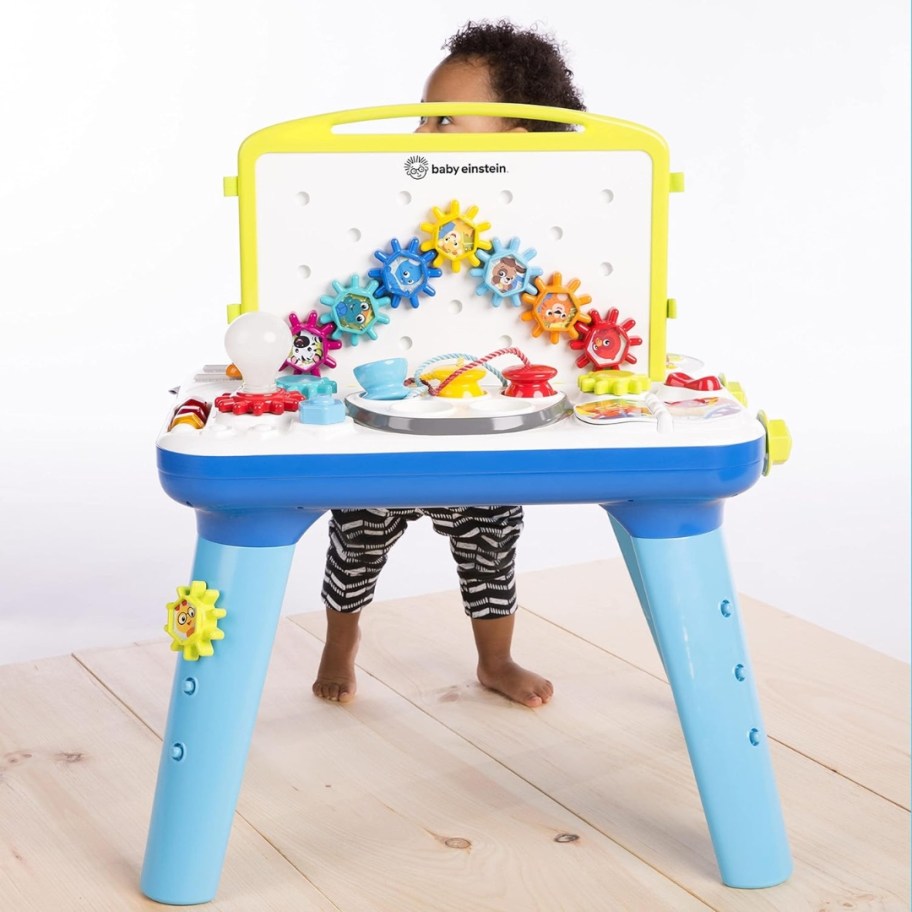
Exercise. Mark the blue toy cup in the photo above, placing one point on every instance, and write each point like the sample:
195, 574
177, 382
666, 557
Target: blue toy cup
383, 379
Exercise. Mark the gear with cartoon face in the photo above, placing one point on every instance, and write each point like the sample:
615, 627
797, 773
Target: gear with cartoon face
354, 310
310, 345
556, 309
605, 343
405, 272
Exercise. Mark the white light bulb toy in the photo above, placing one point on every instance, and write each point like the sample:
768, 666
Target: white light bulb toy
258, 343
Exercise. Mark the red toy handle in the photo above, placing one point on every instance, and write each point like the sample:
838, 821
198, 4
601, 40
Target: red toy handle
685, 381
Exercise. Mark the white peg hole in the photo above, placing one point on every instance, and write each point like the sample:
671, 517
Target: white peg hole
405, 197
505, 341
607, 268
354, 234
304, 271
303, 198
557, 232
506, 197
455, 307
405, 343
607, 196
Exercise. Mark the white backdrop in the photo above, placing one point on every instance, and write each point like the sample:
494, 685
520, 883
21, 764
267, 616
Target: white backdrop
789, 259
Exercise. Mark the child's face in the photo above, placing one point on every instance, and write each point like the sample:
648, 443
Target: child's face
462, 80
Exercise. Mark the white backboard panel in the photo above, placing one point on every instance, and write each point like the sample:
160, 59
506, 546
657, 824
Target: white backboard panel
320, 216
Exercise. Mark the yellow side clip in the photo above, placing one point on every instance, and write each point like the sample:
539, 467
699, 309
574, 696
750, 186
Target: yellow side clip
735, 389
778, 441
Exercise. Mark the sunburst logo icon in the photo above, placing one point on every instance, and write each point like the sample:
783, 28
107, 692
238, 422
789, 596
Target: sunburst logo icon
416, 166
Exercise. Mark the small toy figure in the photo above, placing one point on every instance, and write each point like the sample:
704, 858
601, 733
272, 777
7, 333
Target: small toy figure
310, 345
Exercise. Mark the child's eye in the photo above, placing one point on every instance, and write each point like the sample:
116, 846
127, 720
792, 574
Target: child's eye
422, 121
445, 121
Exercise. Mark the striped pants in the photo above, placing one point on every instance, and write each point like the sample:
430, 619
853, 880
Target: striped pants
482, 540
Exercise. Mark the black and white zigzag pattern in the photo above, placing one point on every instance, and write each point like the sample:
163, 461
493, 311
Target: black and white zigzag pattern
482, 541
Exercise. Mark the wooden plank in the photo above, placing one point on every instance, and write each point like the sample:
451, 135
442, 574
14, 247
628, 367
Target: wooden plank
609, 748
841, 703
77, 774
384, 809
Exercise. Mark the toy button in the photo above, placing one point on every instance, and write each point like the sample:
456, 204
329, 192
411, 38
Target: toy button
466, 384
192, 412
321, 408
530, 381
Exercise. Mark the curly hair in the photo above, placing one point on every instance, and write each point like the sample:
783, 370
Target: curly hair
526, 67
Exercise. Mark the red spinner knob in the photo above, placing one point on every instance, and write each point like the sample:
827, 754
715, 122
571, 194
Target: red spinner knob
530, 381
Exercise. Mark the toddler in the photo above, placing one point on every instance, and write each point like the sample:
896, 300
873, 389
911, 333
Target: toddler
489, 63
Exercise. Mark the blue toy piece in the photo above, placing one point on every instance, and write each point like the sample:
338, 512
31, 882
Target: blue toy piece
505, 273
355, 309
307, 385
321, 408
383, 379
405, 272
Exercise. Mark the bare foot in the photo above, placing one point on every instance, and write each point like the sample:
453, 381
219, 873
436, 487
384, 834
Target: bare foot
517, 683
336, 676
496, 668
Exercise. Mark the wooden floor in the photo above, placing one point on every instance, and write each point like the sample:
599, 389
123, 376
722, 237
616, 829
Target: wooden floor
432, 794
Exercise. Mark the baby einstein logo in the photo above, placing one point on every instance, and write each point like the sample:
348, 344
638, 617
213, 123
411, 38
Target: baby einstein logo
416, 167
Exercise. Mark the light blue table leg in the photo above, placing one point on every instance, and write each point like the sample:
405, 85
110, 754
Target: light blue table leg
685, 586
626, 546
214, 703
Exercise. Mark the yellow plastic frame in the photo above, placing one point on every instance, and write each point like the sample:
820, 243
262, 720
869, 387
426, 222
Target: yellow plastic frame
597, 133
